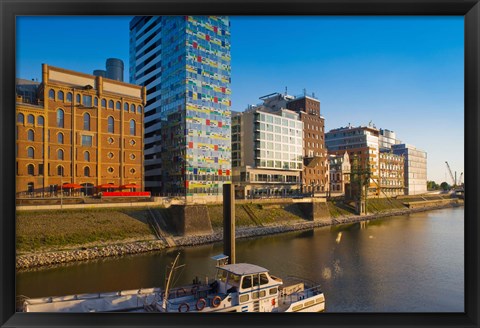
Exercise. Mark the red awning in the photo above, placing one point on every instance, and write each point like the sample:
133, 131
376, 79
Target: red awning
107, 186
71, 186
130, 186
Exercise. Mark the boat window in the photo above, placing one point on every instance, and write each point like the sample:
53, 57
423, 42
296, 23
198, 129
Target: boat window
244, 298
263, 293
247, 282
255, 295
263, 279
272, 291
234, 279
255, 280
222, 275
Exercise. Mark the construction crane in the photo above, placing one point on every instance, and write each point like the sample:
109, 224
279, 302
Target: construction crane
451, 175
460, 179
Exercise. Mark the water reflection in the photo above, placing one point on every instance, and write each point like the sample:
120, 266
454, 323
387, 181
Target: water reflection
406, 264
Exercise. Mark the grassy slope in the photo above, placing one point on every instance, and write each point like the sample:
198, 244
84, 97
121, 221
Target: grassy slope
41, 230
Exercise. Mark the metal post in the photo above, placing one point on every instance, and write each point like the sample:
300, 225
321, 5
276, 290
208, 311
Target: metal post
61, 193
229, 222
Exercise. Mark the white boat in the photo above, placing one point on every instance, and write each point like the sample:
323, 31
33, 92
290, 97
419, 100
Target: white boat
240, 287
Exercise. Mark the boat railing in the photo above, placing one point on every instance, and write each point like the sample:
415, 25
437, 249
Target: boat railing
301, 295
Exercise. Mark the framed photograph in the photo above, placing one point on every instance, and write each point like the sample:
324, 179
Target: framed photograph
283, 196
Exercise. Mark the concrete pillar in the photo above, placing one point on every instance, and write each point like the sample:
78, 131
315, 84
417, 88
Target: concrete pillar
229, 222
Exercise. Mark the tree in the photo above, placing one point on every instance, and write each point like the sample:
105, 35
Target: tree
444, 186
432, 185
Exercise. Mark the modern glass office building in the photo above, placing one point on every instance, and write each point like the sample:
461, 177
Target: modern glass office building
184, 63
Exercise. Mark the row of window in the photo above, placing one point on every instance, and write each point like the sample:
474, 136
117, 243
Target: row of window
86, 122
86, 100
61, 170
61, 153
30, 119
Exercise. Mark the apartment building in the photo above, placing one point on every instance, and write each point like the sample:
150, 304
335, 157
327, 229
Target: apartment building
266, 152
184, 63
79, 129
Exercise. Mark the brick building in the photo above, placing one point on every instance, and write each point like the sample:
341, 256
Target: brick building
80, 129
315, 171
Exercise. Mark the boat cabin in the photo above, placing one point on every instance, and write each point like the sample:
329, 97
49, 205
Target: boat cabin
250, 286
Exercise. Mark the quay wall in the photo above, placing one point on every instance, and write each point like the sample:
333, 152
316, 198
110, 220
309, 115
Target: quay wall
317, 215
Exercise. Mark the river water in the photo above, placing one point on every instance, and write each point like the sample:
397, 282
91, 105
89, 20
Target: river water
410, 263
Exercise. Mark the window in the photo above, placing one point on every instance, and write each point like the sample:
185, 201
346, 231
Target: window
51, 94
132, 127
247, 282
139, 109
30, 169
20, 118
60, 154
60, 170
118, 105
244, 298
125, 107
30, 152
60, 138
60, 95
30, 187
272, 291
86, 156
87, 141
69, 97
41, 121
86, 121
110, 155
111, 124
110, 104
31, 135
132, 171
60, 116
31, 119
104, 103
86, 171
110, 170
87, 101
132, 156
78, 99
95, 102
40, 169
132, 108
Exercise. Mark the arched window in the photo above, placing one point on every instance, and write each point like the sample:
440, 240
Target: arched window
95, 102
125, 107
20, 118
60, 170
60, 154
132, 108
86, 156
30, 152
51, 94
60, 95
60, 116
60, 138
132, 127
31, 135
79, 99
111, 125
118, 105
69, 97
139, 109
31, 119
110, 104
86, 121
30, 186
30, 169
104, 103
86, 171
41, 121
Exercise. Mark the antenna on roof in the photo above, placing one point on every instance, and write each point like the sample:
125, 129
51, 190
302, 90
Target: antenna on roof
304, 92
286, 91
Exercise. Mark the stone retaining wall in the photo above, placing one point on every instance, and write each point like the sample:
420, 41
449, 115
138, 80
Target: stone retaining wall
54, 258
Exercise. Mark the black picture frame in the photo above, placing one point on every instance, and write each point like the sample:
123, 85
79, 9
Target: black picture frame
470, 9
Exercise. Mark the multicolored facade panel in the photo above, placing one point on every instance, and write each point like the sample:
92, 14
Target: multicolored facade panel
195, 104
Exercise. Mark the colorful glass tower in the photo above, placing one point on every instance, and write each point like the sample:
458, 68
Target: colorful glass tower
184, 63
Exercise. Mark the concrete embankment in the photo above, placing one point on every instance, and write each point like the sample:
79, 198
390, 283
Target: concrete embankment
43, 259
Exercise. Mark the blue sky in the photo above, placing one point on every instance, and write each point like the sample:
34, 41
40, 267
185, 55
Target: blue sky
405, 74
